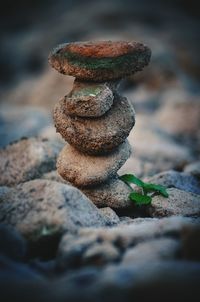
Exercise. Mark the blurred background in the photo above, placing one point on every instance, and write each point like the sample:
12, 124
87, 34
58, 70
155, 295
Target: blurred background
165, 95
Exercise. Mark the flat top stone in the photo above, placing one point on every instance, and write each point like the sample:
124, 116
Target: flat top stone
102, 49
100, 61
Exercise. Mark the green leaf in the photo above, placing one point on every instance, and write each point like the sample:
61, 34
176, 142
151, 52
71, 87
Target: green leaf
140, 199
130, 178
153, 187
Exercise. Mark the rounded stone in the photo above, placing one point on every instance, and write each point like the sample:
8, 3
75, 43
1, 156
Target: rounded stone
179, 203
27, 159
88, 99
100, 61
114, 194
87, 170
96, 135
40, 209
100, 254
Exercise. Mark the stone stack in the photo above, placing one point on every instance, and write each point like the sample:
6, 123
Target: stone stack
94, 118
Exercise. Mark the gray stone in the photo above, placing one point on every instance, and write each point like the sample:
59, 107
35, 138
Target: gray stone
174, 179
178, 203
88, 99
96, 135
169, 279
180, 117
18, 122
110, 215
129, 220
113, 193
71, 249
124, 236
86, 170
40, 208
193, 169
27, 159
145, 239
152, 145
100, 254
153, 250
126, 220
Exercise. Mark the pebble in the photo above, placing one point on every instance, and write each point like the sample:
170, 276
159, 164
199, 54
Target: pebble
27, 159
42, 208
84, 170
114, 194
88, 99
152, 250
178, 203
99, 135
179, 180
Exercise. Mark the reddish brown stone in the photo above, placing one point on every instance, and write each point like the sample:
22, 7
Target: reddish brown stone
100, 61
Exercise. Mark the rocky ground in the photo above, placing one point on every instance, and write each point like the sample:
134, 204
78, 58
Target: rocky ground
55, 244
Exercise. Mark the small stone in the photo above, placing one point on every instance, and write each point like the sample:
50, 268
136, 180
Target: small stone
113, 194
153, 145
100, 61
153, 250
180, 117
110, 215
193, 169
124, 236
88, 99
101, 254
125, 220
96, 135
27, 159
17, 122
71, 249
178, 180
41, 208
85, 170
178, 203
168, 280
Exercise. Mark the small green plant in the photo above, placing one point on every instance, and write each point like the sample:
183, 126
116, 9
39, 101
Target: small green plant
142, 198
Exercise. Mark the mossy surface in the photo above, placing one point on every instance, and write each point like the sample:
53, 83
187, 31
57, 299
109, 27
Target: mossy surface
87, 91
121, 62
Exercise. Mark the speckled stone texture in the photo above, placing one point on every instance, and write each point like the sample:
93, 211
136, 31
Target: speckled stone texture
99, 135
94, 118
88, 99
86, 170
100, 61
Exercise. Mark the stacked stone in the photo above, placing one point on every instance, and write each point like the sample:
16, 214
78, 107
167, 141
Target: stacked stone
94, 118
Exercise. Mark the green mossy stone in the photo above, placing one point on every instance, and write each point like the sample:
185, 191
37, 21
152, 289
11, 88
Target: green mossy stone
100, 61
89, 99
86, 91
